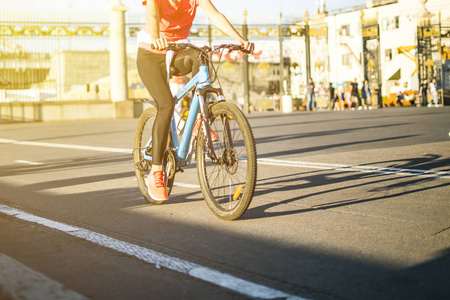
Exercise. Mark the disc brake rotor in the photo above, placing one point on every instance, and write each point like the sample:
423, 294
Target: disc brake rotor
230, 160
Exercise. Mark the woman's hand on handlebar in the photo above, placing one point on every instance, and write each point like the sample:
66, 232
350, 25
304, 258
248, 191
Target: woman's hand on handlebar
248, 46
160, 44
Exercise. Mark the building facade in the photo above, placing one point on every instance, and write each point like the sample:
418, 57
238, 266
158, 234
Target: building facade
381, 42
388, 42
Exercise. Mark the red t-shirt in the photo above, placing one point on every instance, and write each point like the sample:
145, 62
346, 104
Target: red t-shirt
175, 22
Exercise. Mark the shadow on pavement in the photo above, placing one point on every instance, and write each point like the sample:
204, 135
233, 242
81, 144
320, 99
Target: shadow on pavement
426, 162
326, 147
278, 138
338, 181
63, 164
309, 270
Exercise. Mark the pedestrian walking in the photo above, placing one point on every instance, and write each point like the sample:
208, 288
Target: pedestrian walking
433, 92
366, 94
355, 93
423, 91
310, 95
332, 94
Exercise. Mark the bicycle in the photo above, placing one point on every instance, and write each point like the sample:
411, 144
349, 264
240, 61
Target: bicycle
226, 168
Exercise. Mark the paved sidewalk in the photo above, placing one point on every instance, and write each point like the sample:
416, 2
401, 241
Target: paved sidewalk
17, 281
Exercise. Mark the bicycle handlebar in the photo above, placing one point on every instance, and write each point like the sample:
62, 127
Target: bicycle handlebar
183, 46
232, 47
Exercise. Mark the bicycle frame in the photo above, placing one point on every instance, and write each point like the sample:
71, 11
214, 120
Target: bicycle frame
226, 165
199, 81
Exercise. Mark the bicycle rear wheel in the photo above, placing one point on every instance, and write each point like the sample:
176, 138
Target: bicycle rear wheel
228, 184
143, 147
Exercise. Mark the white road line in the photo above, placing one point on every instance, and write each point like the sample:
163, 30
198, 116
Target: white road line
67, 146
158, 259
351, 168
266, 161
186, 185
20, 282
26, 162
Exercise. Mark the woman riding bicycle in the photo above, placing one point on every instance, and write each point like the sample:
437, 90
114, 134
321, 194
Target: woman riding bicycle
170, 21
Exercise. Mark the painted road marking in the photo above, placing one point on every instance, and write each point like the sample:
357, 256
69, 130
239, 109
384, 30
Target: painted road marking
20, 282
66, 146
158, 259
351, 168
266, 161
186, 185
26, 162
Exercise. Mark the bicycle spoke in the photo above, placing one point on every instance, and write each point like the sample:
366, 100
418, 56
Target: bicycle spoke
228, 183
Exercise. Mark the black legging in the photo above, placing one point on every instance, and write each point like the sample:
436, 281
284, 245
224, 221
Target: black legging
152, 70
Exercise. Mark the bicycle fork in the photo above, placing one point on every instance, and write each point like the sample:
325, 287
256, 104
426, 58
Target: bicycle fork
205, 124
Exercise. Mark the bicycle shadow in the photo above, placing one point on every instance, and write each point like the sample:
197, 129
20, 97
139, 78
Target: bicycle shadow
427, 162
332, 183
298, 185
306, 267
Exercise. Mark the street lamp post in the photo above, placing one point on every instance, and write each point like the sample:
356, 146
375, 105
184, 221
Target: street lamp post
245, 67
281, 70
118, 53
308, 47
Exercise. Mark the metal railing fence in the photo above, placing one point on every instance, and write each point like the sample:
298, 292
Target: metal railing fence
45, 57
52, 60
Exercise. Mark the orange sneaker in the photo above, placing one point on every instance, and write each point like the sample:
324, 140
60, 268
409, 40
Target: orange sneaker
156, 187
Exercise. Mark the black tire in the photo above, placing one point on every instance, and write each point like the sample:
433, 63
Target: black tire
141, 166
235, 173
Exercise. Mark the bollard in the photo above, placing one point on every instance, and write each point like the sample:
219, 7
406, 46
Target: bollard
286, 102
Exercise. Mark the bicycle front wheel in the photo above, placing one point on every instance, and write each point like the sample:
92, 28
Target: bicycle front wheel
228, 184
143, 152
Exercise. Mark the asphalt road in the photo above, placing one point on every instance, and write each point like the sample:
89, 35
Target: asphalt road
348, 205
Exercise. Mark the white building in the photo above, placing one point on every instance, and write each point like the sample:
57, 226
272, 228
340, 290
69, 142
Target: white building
345, 47
398, 21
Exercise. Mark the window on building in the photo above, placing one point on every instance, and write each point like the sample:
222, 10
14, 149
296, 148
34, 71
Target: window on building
390, 23
397, 22
345, 30
346, 60
385, 23
388, 54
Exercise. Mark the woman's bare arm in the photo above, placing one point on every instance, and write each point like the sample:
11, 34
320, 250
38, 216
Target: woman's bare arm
152, 15
223, 24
